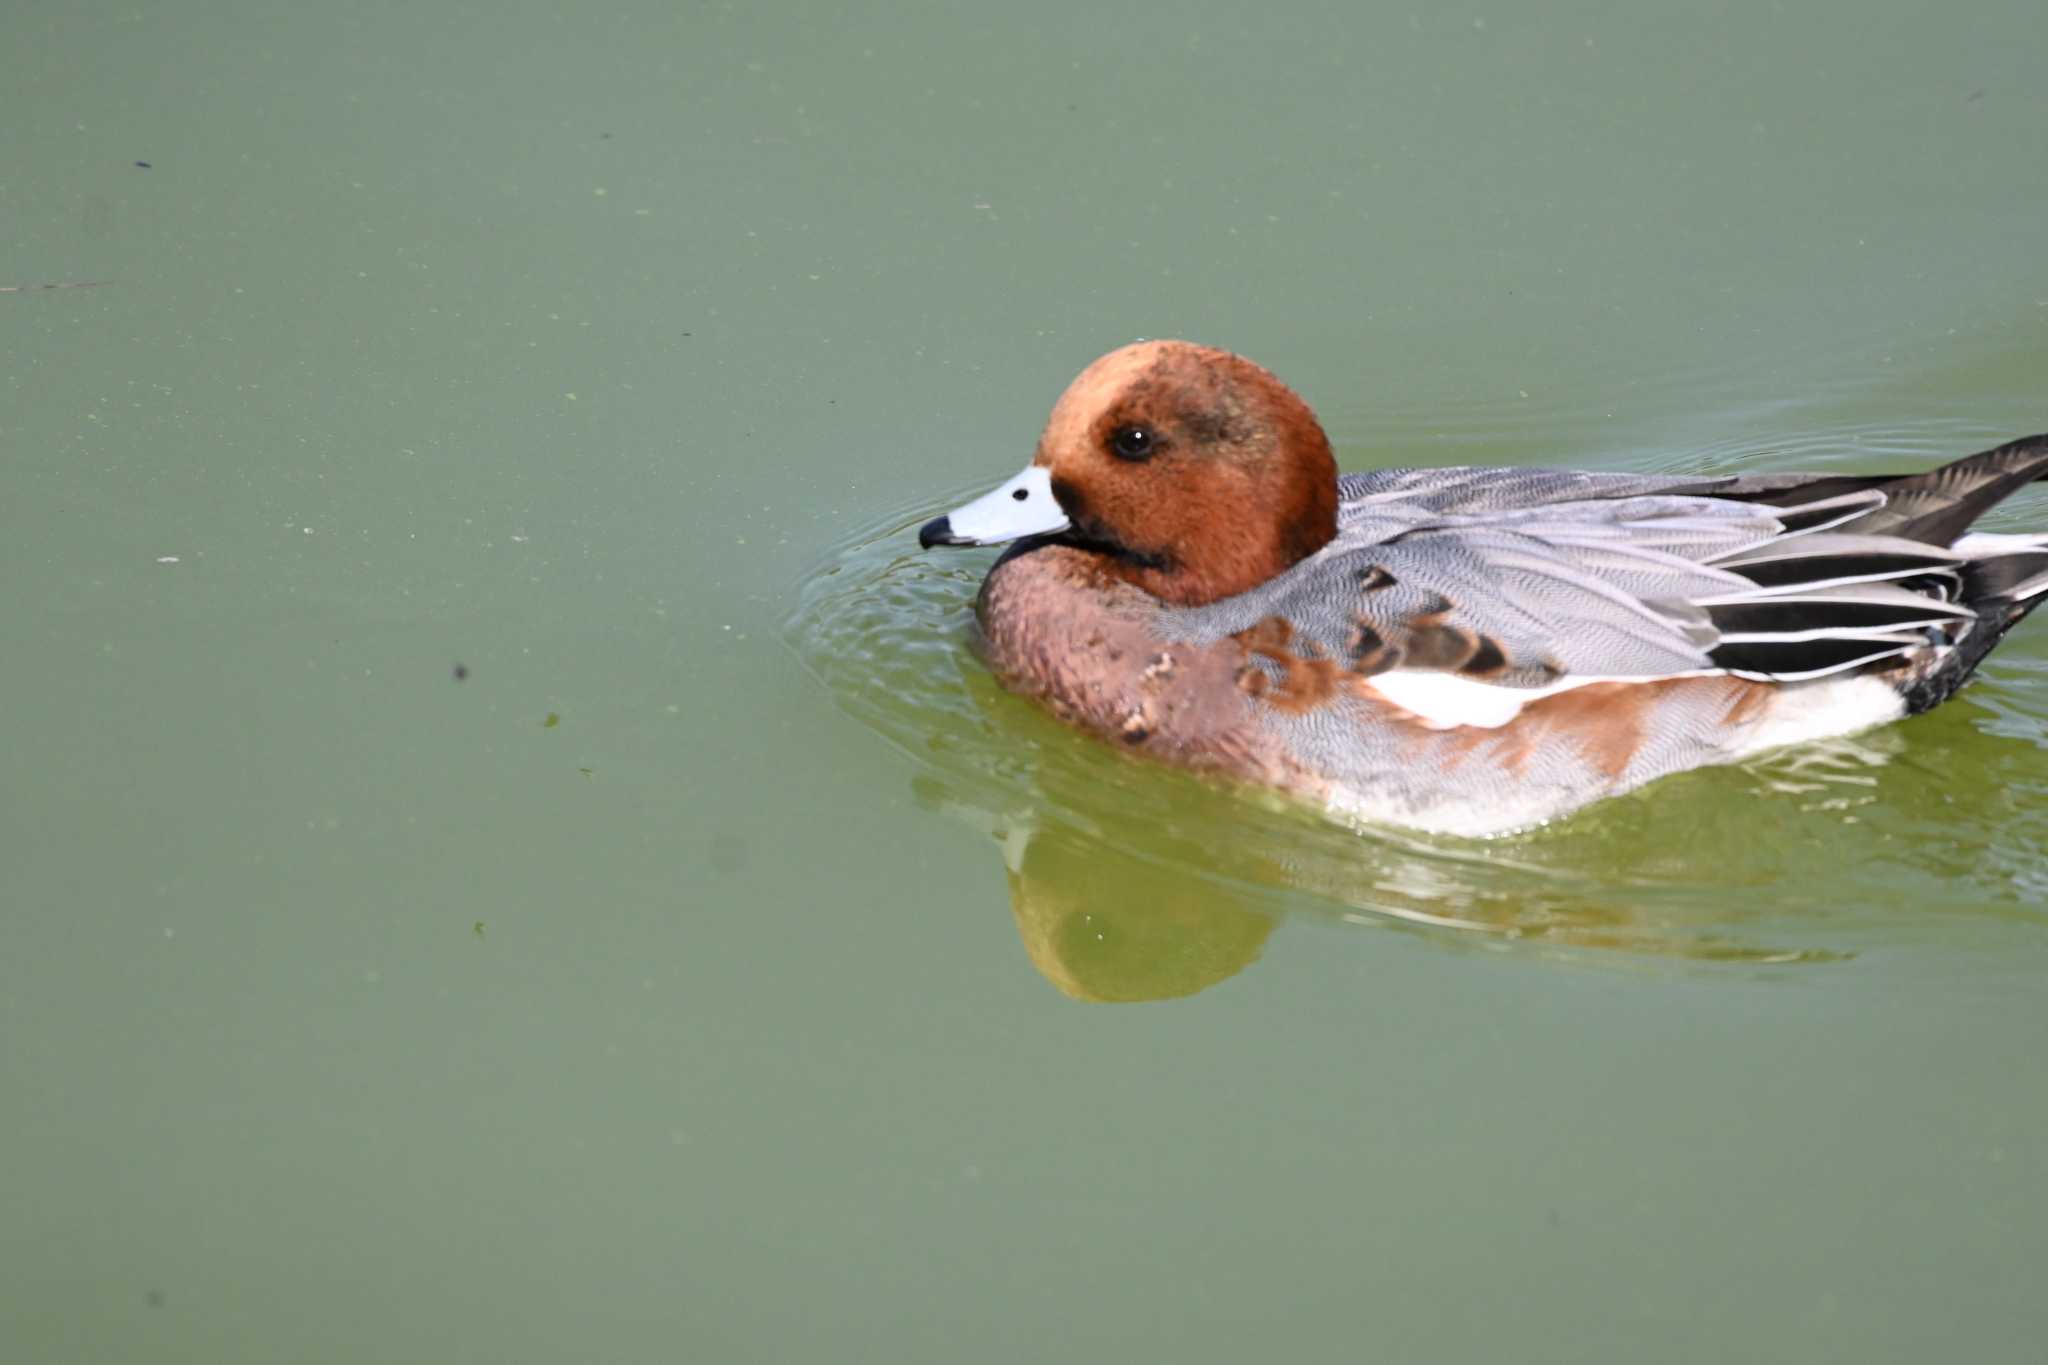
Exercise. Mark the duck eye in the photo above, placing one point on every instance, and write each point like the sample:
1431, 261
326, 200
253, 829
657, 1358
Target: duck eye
1132, 442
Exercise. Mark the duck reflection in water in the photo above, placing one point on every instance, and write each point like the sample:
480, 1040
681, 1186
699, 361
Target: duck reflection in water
1109, 920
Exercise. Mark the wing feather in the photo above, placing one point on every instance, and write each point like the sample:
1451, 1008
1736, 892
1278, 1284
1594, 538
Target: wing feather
1536, 579
1533, 578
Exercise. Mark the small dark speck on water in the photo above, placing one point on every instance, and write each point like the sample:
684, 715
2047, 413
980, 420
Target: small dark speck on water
551, 722
143, 164
586, 771
478, 928
1974, 96
155, 1298
461, 672
604, 135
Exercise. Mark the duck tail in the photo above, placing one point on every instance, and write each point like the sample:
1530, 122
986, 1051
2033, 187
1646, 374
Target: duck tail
2004, 577
1937, 507
2001, 577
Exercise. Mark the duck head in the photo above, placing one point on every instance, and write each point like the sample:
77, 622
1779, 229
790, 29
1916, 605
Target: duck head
1194, 473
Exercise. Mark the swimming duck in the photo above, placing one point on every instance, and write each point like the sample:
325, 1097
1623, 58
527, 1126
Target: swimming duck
1463, 650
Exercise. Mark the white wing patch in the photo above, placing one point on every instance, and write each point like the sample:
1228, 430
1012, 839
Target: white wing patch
1445, 701
1804, 711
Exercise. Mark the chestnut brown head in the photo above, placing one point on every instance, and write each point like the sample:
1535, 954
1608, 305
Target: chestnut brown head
1195, 473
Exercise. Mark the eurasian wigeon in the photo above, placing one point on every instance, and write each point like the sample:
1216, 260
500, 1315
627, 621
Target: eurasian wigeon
1466, 650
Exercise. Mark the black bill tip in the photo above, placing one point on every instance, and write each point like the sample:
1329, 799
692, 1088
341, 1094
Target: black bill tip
937, 531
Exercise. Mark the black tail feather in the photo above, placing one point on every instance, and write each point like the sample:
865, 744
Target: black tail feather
2000, 576
1932, 507
1989, 587
1941, 504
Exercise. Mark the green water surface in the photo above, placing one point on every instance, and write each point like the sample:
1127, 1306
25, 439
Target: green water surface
507, 854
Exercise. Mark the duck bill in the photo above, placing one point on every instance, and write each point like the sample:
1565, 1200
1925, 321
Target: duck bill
1024, 506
